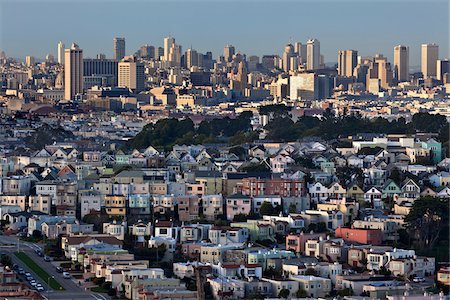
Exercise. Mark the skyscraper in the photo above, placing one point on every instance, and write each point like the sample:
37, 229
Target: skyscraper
228, 52
73, 72
287, 54
30, 61
61, 53
174, 56
168, 42
347, 61
442, 68
131, 74
401, 63
159, 52
312, 54
379, 72
191, 58
430, 55
119, 48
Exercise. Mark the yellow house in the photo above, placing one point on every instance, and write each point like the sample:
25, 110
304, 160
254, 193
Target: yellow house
349, 209
355, 192
115, 205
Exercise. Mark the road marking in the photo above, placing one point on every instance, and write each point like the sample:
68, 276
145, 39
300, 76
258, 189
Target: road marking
101, 296
44, 297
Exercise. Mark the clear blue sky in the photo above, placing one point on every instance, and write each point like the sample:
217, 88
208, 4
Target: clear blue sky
253, 27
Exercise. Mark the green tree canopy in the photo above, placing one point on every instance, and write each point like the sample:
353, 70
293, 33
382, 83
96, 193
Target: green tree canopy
428, 218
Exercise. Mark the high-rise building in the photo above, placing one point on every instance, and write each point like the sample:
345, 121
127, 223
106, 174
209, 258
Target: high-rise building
30, 61
61, 48
174, 56
73, 72
228, 53
401, 63
287, 54
159, 53
298, 48
131, 74
191, 58
312, 54
442, 68
106, 68
147, 51
119, 48
347, 61
303, 86
380, 70
430, 55
168, 43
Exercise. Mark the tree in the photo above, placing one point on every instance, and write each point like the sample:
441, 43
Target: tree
311, 271
426, 221
6, 260
240, 218
301, 293
267, 209
292, 208
37, 234
284, 293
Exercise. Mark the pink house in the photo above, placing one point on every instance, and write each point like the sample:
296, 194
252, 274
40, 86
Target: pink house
238, 204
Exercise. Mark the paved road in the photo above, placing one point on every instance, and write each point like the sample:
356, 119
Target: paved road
11, 244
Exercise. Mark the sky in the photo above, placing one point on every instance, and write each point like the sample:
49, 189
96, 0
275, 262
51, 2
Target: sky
254, 27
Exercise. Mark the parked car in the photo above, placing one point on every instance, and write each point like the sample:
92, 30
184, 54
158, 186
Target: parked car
39, 253
40, 288
47, 258
28, 274
418, 279
29, 278
66, 275
59, 269
21, 271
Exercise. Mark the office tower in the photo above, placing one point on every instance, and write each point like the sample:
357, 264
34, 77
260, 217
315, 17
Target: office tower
253, 62
168, 43
298, 48
61, 48
303, 86
102, 68
401, 63
208, 62
380, 71
147, 51
287, 54
442, 68
240, 80
73, 72
228, 52
159, 53
131, 74
119, 48
29, 61
312, 54
268, 61
430, 55
174, 59
347, 61
191, 58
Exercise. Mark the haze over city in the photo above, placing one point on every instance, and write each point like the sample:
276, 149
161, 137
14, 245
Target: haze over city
253, 27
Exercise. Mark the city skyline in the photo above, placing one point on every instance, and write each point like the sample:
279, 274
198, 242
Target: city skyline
249, 33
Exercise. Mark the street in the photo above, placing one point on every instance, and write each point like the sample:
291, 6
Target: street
11, 244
